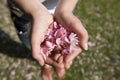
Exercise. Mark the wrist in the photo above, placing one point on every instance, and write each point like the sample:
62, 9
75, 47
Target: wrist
61, 10
66, 5
39, 13
42, 18
62, 13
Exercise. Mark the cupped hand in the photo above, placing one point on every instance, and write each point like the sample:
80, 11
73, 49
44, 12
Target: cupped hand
41, 22
67, 19
40, 26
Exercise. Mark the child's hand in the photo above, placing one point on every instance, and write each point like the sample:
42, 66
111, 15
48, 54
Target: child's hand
41, 22
41, 19
73, 23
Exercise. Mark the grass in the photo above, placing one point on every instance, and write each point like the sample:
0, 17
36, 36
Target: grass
101, 62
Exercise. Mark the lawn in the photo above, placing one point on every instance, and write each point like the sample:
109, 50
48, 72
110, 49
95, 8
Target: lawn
101, 18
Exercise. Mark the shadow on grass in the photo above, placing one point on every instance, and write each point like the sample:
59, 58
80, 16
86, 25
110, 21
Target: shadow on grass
12, 48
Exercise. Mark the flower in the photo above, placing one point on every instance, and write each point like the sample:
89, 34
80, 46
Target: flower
60, 40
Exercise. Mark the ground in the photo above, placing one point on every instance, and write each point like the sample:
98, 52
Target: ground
101, 18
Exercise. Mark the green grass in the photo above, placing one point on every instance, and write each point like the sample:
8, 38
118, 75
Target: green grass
101, 18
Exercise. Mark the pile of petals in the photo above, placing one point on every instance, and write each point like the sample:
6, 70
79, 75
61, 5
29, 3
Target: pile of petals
58, 39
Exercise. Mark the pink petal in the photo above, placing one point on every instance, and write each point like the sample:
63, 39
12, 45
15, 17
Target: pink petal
59, 39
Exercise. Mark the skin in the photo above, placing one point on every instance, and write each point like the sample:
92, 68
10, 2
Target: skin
41, 20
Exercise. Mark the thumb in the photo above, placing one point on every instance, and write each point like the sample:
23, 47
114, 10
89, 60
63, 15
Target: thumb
70, 57
36, 49
37, 37
84, 40
82, 33
37, 55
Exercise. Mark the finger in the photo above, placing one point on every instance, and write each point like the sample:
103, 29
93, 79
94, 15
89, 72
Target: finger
60, 70
68, 58
51, 62
68, 64
37, 55
36, 51
47, 72
60, 59
37, 37
81, 31
56, 56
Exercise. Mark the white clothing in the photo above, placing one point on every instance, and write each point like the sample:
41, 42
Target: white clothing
50, 5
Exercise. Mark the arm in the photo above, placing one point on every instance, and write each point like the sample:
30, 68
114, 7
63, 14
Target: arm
41, 20
34, 7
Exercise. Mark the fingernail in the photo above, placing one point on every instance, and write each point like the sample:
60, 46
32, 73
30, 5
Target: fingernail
42, 64
86, 46
68, 66
47, 66
71, 63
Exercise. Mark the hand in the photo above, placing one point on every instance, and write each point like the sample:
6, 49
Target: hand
40, 26
67, 19
54, 60
41, 22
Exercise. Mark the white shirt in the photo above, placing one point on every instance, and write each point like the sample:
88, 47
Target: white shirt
50, 5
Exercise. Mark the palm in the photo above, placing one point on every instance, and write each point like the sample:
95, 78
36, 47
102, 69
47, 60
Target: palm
73, 23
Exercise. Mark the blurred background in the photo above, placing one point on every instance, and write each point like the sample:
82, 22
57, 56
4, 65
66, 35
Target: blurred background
101, 18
